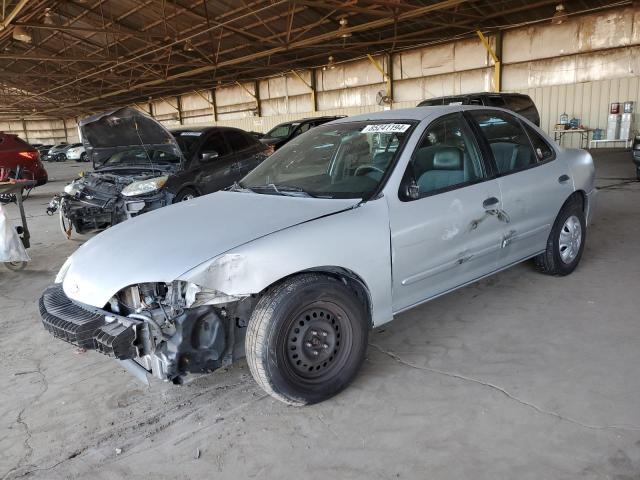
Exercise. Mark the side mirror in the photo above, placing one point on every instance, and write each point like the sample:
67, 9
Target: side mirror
210, 155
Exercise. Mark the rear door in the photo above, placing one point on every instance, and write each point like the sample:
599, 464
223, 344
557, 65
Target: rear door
534, 183
442, 234
248, 152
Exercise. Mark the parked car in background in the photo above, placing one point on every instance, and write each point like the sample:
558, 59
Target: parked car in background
340, 230
283, 133
516, 102
52, 154
44, 150
15, 153
256, 135
636, 155
140, 166
76, 152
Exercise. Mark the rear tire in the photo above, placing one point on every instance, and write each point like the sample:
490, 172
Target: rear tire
566, 241
83, 157
306, 339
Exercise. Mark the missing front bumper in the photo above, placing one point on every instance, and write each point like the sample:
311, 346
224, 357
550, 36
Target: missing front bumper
201, 341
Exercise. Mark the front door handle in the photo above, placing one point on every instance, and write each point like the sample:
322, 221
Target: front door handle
490, 202
564, 178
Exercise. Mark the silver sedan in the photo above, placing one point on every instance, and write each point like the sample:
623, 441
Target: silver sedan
339, 231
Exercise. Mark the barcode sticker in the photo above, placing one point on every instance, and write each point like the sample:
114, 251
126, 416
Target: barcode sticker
386, 128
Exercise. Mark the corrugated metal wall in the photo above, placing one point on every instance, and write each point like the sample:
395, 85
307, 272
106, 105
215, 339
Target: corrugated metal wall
578, 68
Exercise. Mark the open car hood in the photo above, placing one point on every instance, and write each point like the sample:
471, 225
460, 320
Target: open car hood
124, 129
161, 245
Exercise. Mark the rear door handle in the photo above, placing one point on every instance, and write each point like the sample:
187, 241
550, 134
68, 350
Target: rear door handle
564, 178
490, 202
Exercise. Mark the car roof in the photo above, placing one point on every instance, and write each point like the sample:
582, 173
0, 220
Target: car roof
418, 113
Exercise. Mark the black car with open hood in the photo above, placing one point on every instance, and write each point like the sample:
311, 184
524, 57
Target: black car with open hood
140, 166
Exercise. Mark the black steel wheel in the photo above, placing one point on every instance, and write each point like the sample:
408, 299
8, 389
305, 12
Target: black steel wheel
307, 338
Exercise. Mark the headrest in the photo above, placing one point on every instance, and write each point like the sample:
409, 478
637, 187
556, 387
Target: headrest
447, 158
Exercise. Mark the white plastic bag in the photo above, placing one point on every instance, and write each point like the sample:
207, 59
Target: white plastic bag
11, 248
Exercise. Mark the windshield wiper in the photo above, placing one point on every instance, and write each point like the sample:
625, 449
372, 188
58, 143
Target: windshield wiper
285, 190
238, 187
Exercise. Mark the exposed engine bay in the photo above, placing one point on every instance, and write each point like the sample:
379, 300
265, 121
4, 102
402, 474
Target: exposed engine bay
97, 200
167, 330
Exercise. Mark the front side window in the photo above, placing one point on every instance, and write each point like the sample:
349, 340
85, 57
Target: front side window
237, 140
446, 157
347, 160
508, 141
216, 143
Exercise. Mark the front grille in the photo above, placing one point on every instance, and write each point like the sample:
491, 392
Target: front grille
66, 320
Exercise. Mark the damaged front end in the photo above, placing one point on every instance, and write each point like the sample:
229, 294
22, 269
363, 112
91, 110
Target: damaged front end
98, 200
133, 158
167, 330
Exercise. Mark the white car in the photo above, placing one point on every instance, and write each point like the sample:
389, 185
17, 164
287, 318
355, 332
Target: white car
340, 230
77, 153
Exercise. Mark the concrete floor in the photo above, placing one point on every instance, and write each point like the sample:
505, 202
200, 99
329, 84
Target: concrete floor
517, 376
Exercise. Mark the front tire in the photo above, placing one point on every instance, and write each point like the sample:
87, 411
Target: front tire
306, 339
566, 241
185, 194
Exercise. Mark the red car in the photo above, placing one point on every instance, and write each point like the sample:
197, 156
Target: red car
14, 153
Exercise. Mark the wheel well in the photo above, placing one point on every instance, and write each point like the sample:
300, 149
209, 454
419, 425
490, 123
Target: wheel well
580, 195
351, 279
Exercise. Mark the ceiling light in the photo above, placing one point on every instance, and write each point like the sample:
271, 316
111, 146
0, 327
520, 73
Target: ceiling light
342, 30
21, 34
188, 46
560, 16
48, 17
330, 64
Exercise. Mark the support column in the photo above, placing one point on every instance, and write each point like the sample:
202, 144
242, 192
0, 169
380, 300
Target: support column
496, 55
256, 89
179, 104
66, 134
24, 129
311, 87
214, 104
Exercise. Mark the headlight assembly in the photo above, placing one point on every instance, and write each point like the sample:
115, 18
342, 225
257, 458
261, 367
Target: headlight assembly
144, 186
72, 189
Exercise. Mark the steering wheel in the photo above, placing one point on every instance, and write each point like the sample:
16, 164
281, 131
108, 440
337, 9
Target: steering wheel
366, 169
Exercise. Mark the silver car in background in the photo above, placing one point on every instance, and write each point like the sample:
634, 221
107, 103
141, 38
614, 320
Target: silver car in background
339, 231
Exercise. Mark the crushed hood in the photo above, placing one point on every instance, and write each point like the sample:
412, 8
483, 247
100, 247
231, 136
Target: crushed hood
124, 129
161, 245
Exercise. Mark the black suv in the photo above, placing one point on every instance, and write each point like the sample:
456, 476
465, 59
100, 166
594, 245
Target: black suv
516, 102
281, 134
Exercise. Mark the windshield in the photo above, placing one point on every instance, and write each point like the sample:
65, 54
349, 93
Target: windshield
346, 160
281, 131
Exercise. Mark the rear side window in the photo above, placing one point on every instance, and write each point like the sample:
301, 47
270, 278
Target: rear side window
508, 141
495, 101
237, 140
543, 151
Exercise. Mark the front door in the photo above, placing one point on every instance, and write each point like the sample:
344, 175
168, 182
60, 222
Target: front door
216, 173
533, 182
444, 230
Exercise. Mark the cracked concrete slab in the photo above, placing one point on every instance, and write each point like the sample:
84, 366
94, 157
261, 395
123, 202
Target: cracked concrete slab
517, 376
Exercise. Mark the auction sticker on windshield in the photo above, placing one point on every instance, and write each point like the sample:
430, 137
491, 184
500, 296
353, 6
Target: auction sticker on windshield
386, 128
